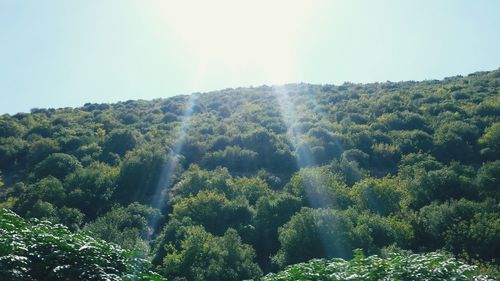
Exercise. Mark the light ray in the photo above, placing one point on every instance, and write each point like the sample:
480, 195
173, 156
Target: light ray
305, 158
171, 164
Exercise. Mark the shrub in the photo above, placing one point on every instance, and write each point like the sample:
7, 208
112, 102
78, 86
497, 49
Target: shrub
40, 250
408, 267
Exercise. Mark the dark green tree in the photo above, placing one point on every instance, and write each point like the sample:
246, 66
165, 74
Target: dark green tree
202, 256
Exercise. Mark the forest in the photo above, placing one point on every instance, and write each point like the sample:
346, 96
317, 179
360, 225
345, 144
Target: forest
380, 181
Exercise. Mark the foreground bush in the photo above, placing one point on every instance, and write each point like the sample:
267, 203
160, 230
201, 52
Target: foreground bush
40, 250
430, 266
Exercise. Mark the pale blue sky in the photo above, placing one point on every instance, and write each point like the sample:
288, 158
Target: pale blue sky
66, 53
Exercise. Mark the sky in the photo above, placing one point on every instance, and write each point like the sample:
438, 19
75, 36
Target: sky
59, 53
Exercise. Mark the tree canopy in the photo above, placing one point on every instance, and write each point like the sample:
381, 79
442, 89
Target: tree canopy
237, 183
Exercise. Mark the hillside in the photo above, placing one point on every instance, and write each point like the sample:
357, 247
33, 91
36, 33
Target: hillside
233, 184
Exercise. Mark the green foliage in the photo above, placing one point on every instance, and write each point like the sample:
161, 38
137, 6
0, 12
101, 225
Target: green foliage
40, 149
478, 236
399, 267
455, 140
446, 225
13, 153
202, 256
195, 180
489, 107
314, 233
10, 128
39, 250
142, 174
488, 179
412, 141
70, 217
407, 165
348, 171
128, 227
440, 185
58, 165
319, 188
120, 141
39, 198
271, 212
491, 140
382, 196
251, 189
233, 157
90, 189
213, 211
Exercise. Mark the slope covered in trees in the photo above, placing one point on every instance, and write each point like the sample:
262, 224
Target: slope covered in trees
233, 184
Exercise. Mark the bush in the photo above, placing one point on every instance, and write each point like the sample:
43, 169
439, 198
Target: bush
408, 267
40, 250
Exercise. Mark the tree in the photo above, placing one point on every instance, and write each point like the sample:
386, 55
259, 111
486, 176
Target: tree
196, 179
144, 173
42, 195
402, 121
70, 217
128, 227
249, 188
13, 153
390, 231
414, 163
355, 155
435, 220
412, 141
385, 155
478, 236
10, 128
271, 212
489, 107
320, 233
58, 165
120, 141
427, 180
232, 157
214, 212
348, 171
455, 140
381, 196
203, 256
319, 188
488, 180
90, 189
88, 153
40, 149
491, 140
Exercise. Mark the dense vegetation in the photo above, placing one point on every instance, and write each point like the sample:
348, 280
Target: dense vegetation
42, 251
233, 184
398, 267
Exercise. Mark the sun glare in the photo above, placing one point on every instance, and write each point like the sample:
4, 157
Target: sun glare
239, 36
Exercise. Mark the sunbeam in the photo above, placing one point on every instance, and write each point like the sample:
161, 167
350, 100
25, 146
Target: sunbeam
295, 134
169, 168
304, 156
